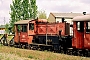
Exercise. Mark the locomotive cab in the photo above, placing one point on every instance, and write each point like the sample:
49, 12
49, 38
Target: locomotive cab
21, 32
25, 30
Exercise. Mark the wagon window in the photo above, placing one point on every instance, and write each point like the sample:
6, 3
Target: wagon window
31, 26
87, 26
80, 26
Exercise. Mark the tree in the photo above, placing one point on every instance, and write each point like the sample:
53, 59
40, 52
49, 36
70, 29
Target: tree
22, 10
6, 28
42, 15
33, 8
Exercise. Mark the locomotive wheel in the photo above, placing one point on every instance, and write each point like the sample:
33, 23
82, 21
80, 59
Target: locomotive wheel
23, 46
29, 47
74, 53
69, 52
39, 49
88, 54
80, 52
85, 53
20, 46
62, 51
15, 46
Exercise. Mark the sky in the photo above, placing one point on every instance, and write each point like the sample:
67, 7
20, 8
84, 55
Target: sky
57, 6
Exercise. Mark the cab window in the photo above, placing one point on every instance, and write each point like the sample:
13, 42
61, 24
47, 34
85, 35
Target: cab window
31, 26
87, 26
24, 28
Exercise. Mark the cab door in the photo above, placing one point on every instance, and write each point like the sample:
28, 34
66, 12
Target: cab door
80, 34
24, 34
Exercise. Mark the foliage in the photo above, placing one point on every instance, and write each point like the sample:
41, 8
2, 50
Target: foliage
33, 8
6, 28
42, 15
22, 10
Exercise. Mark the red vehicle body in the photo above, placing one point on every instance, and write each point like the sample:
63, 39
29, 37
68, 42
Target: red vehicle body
53, 28
81, 29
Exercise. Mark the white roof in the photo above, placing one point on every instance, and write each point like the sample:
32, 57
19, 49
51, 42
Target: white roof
66, 15
82, 18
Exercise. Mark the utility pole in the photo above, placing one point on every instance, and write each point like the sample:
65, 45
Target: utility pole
4, 21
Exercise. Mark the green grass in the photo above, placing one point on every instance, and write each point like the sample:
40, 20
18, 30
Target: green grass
1, 36
30, 56
9, 37
38, 55
1, 45
1, 57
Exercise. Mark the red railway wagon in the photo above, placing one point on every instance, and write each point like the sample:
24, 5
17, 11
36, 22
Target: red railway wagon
81, 32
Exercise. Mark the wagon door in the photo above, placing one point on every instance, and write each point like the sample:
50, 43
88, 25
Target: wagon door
74, 35
80, 35
87, 35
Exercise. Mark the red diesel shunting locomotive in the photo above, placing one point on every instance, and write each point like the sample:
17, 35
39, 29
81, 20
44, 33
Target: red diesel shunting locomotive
41, 34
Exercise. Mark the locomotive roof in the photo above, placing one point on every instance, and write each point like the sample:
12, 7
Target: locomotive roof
82, 18
27, 21
22, 22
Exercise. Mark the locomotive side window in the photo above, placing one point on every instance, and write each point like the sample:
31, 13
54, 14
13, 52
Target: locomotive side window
80, 26
31, 26
87, 26
19, 28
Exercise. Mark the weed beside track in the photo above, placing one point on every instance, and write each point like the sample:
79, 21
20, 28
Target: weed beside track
11, 53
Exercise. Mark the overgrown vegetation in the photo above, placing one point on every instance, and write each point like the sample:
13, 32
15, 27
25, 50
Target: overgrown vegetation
42, 15
30, 56
36, 55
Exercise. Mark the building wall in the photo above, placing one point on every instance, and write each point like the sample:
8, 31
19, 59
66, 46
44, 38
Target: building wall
2, 31
51, 18
68, 20
58, 19
71, 29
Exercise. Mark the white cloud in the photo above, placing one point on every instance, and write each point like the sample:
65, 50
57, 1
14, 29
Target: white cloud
63, 5
4, 11
48, 6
